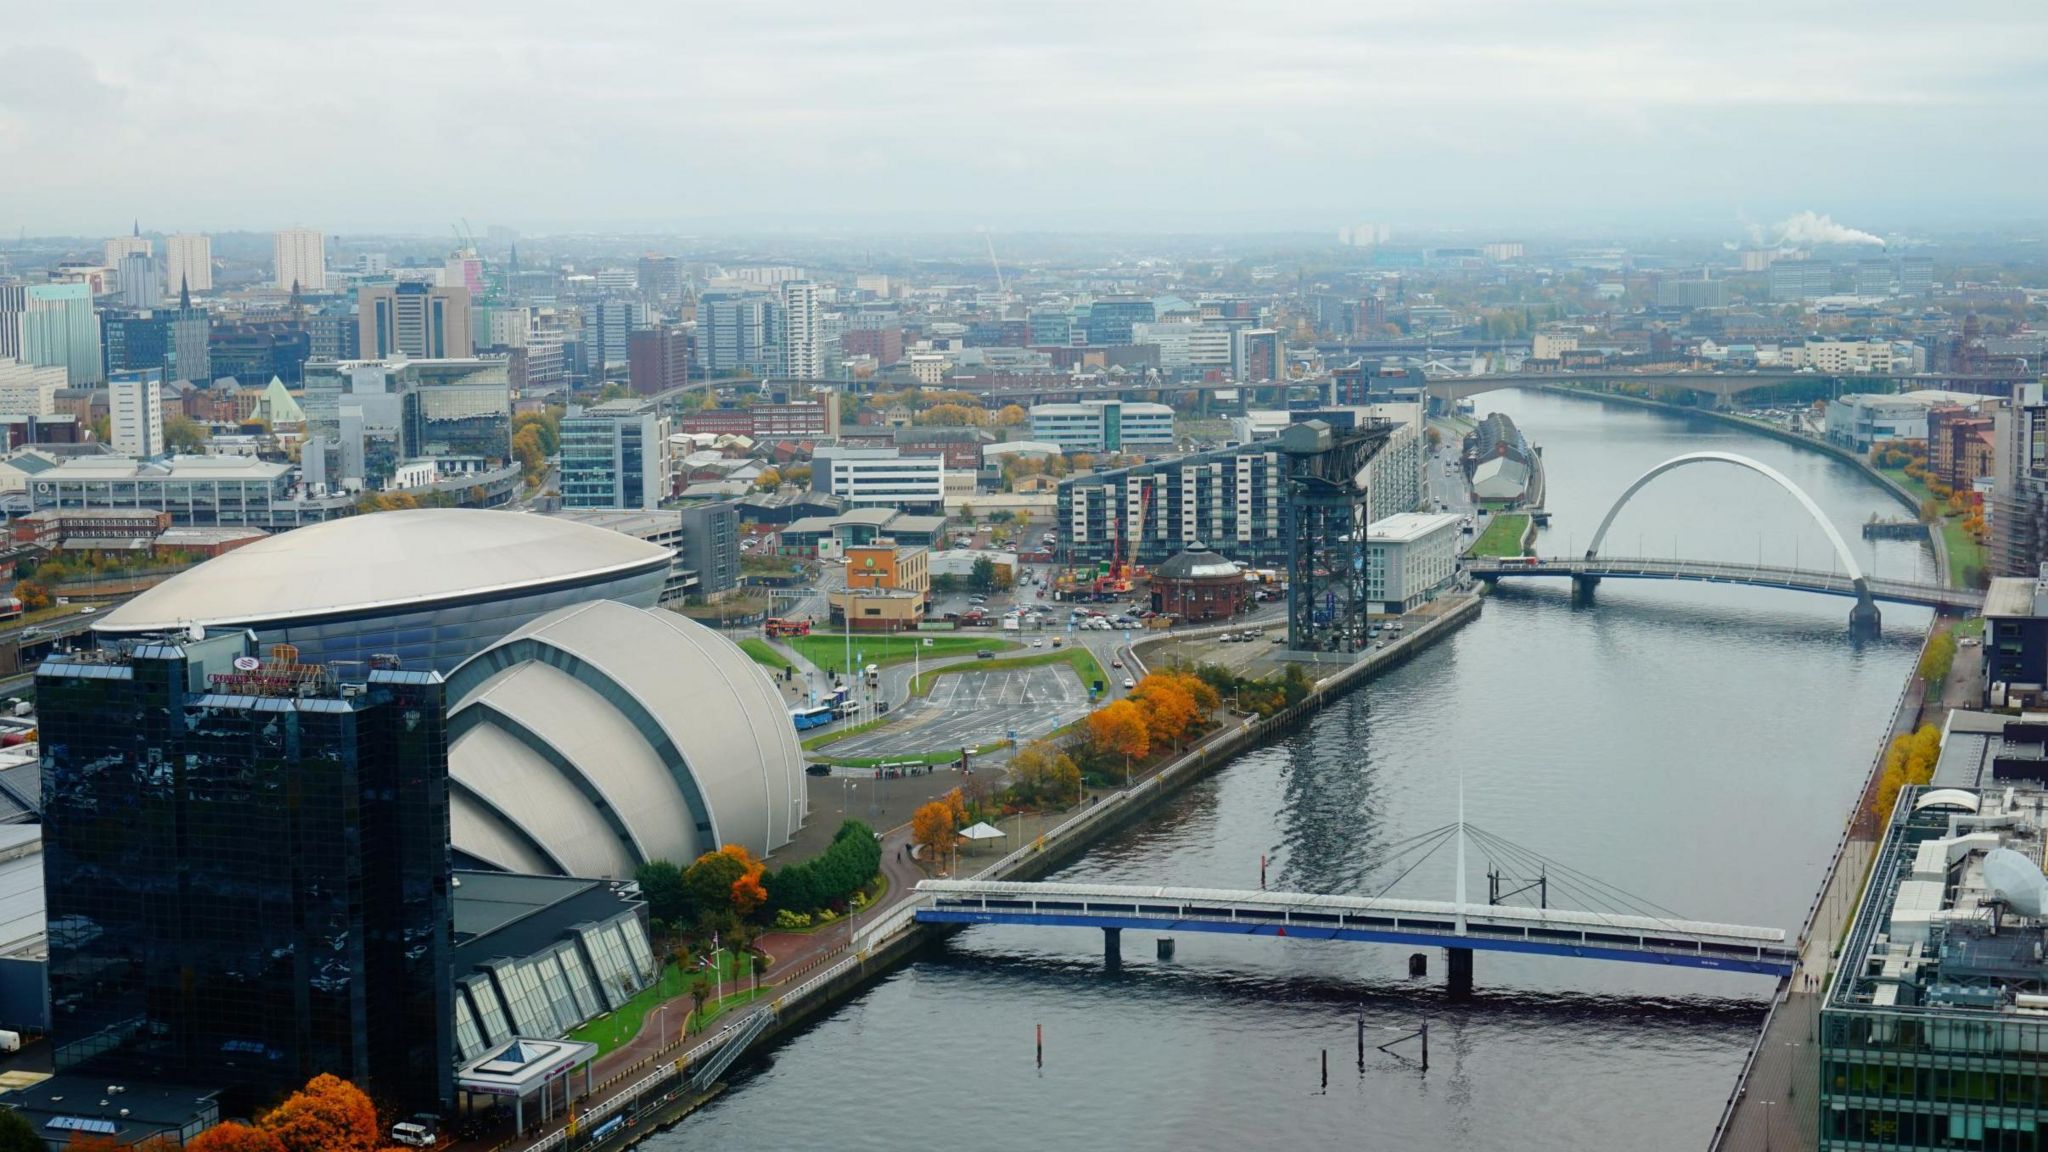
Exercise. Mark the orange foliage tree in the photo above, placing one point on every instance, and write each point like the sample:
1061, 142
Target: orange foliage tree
328, 1115
1119, 729
233, 1137
934, 825
1169, 708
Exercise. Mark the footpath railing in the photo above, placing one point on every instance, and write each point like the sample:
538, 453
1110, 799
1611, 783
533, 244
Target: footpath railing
1813, 910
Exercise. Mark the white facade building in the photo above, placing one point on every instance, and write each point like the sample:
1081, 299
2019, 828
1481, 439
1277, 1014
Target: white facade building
881, 478
1851, 357
803, 345
121, 246
300, 256
1409, 558
1186, 347
1104, 426
29, 389
135, 412
188, 260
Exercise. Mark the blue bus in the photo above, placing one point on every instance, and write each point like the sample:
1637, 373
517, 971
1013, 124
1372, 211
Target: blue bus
806, 719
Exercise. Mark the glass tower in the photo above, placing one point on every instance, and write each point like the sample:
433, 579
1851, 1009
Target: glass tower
247, 869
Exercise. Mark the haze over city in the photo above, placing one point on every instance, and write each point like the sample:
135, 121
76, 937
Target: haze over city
384, 116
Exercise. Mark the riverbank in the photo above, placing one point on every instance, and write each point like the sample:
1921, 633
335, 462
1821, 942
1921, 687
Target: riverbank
1896, 490
662, 1095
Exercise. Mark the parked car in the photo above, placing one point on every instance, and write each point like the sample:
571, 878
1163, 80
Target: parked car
984, 654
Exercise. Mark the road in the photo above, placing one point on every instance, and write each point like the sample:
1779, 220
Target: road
972, 708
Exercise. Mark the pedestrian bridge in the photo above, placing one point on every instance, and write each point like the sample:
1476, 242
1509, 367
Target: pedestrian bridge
1462, 928
1937, 596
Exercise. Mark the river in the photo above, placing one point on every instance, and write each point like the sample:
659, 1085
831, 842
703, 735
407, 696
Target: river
1696, 746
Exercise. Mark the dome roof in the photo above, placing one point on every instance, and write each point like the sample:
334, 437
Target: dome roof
383, 560
1197, 563
601, 736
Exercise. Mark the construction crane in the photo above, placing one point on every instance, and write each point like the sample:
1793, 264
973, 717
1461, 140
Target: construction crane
465, 238
990, 239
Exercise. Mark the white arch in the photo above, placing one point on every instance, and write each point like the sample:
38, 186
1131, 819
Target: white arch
1848, 558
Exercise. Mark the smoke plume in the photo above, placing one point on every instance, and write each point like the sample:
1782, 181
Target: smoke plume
1811, 230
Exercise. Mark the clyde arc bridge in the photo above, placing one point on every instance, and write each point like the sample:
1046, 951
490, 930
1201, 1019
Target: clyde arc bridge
1847, 579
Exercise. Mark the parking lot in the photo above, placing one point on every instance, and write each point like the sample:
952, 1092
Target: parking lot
972, 708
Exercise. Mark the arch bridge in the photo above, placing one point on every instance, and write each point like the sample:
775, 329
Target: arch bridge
1848, 579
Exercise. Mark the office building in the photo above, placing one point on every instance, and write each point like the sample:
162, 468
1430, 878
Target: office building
1793, 280
334, 333
738, 329
52, 325
1931, 1030
881, 478
1258, 355
142, 283
283, 910
135, 414
188, 261
299, 256
2019, 491
1187, 348
1916, 276
2016, 642
660, 278
1962, 445
174, 341
1873, 277
205, 490
431, 586
260, 349
608, 327
1409, 558
803, 345
455, 412
803, 419
1110, 318
658, 359
1104, 426
413, 319
711, 546
616, 455
1692, 293
1860, 422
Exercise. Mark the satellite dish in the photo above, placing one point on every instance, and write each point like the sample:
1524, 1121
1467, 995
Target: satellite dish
195, 632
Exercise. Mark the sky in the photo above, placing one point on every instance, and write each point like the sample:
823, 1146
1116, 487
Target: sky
667, 115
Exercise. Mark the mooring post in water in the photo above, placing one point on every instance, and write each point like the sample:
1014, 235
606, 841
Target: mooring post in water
1361, 1041
1326, 1071
1425, 1045
1040, 1029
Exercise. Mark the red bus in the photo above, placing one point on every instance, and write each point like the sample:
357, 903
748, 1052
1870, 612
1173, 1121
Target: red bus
776, 626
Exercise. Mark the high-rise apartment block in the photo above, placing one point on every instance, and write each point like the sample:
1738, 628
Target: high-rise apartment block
135, 413
246, 867
738, 329
52, 325
803, 351
141, 280
188, 262
300, 257
415, 319
608, 326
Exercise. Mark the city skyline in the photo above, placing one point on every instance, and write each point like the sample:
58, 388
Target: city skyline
1133, 116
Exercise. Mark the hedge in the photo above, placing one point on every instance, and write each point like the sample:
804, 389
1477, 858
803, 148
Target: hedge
845, 868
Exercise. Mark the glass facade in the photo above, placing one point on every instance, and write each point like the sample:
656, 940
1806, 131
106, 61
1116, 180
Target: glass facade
252, 887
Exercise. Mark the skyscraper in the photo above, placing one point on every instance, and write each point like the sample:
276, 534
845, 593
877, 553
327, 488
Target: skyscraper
141, 281
803, 349
608, 327
415, 319
52, 325
737, 328
300, 256
658, 359
135, 413
246, 866
188, 260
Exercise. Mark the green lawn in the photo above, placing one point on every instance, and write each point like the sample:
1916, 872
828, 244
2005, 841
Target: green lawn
1078, 658
830, 651
1966, 558
617, 1028
765, 654
1503, 536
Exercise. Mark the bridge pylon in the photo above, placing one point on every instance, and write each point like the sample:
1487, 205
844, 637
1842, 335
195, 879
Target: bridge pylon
1582, 589
1865, 621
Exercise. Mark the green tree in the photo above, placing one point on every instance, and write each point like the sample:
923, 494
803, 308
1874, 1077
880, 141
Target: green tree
984, 575
668, 897
184, 434
17, 1134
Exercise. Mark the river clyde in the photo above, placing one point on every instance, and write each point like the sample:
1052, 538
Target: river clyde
1697, 746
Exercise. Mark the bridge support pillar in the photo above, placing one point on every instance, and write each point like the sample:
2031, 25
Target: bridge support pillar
1865, 621
1112, 948
1458, 964
1582, 588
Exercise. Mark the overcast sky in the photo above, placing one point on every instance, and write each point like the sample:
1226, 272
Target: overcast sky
658, 114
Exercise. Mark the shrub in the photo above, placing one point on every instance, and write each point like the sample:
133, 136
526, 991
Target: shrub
786, 919
844, 869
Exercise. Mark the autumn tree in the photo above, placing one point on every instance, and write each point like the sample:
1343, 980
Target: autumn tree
1012, 415
1939, 656
953, 415
1045, 773
33, 596
933, 827
93, 1142
328, 1115
1908, 762
725, 884
1119, 729
769, 480
184, 434
1167, 706
233, 1137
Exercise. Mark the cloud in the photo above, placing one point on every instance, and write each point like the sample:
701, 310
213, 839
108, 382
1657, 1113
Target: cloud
392, 114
